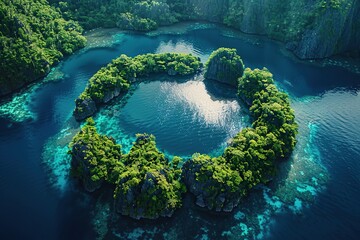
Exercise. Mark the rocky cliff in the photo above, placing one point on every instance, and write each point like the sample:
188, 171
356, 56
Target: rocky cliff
225, 66
310, 29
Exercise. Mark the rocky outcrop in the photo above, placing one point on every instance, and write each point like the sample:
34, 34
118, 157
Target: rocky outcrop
310, 29
224, 66
84, 108
127, 201
82, 167
108, 96
333, 31
208, 192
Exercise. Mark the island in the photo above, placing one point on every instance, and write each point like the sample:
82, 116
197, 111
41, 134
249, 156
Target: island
116, 78
147, 184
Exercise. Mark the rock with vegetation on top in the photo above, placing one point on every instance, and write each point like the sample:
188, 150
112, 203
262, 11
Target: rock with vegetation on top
225, 66
115, 79
215, 185
149, 187
84, 108
95, 158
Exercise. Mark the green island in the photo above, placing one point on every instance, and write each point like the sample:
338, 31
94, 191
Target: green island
146, 184
33, 37
116, 78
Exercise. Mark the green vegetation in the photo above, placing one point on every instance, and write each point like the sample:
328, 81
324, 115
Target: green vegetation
251, 156
98, 157
33, 37
224, 65
150, 180
134, 15
147, 185
116, 77
335, 4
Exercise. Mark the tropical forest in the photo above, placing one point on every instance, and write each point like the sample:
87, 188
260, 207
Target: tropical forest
179, 119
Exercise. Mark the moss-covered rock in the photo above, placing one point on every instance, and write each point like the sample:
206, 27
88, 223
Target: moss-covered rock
225, 66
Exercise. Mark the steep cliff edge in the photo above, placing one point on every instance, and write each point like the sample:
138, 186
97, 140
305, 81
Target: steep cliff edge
310, 29
33, 37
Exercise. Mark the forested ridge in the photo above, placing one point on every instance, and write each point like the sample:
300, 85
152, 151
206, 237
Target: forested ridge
133, 14
33, 37
37, 34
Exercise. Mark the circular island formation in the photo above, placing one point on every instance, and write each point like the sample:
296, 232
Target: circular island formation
146, 184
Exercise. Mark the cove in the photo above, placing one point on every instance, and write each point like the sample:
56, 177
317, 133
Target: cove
326, 103
185, 115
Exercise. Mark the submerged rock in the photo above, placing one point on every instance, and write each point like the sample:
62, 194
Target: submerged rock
225, 66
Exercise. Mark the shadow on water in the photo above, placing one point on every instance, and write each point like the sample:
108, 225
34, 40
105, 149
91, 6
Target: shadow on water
220, 91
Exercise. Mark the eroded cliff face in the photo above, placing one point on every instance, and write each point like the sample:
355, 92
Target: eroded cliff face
311, 29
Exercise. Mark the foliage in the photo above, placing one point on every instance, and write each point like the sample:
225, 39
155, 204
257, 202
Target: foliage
251, 156
33, 37
118, 74
150, 179
270, 108
224, 64
215, 181
134, 15
148, 185
100, 154
143, 173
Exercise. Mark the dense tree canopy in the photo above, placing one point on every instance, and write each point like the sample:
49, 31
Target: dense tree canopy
147, 185
96, 158
253, 151
135, 14
115, 78
33, 37
224, 65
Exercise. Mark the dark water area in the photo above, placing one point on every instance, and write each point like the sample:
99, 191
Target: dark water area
315, 195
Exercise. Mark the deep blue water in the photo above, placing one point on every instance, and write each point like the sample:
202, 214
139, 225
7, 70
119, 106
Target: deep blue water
315, 196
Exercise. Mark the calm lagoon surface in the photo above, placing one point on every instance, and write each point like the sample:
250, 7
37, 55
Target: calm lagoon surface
315, 194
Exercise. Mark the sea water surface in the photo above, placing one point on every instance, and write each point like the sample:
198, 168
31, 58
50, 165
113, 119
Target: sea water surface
314, 196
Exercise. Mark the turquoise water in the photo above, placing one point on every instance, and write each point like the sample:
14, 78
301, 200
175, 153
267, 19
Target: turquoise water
314, 196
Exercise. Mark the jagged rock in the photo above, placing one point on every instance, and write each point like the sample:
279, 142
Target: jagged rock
127, 202
84, 108
222, 201
224, 66
313, 30
332, 33
81, 165
108, 96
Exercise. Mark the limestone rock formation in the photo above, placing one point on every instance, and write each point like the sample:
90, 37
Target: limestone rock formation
225, 66
84, 108
208, 181
82, 165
